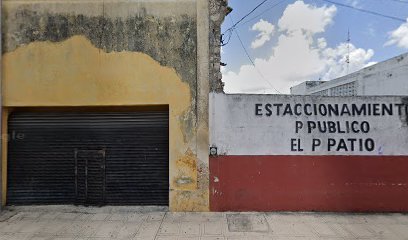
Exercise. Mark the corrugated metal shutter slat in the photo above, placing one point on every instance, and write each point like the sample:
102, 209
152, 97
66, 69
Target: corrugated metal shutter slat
41, 165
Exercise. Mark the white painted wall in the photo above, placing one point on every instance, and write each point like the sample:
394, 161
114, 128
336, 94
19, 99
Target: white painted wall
303, 88
388, 78
392, 79
235, 129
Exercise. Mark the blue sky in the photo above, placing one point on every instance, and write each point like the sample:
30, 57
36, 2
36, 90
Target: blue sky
369, 35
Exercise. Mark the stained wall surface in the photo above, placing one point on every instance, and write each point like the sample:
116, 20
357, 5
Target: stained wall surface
308, 153
116, 53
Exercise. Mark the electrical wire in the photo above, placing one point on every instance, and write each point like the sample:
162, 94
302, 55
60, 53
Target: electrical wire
252, 62
366, 11
246, 15
226, 40
263, 12
234, 26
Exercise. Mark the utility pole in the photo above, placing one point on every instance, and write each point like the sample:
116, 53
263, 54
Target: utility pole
348, 51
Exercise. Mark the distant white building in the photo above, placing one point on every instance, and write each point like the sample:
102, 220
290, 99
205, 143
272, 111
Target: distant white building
385, 78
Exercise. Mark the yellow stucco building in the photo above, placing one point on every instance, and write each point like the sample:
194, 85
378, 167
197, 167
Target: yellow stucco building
106, 102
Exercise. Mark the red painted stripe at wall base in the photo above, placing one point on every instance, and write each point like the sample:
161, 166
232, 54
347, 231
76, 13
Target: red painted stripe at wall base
309, 183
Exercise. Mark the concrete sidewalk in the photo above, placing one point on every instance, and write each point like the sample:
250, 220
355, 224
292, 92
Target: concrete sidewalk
66, 222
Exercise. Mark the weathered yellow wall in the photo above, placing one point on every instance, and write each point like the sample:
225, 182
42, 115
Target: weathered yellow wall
107, 53
75, 73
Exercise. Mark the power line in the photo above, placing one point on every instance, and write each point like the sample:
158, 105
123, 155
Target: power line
252, 62
253, 10
263, 12
366, 11
224, 42
231, 29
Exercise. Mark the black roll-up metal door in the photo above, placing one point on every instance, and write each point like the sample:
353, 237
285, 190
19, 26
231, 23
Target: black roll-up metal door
91, 158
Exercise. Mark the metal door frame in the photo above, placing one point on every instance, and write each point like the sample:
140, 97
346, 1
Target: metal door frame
99, 151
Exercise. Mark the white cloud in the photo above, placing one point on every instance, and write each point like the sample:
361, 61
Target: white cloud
336, 60
399, 36
321, 43
298, 55
265, 29
305, 17
371, 30
292, 60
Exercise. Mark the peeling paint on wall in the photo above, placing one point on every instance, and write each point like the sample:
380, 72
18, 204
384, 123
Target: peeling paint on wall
186, 177
87, 76
114, 53
171, 39
194, 200
167, 40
